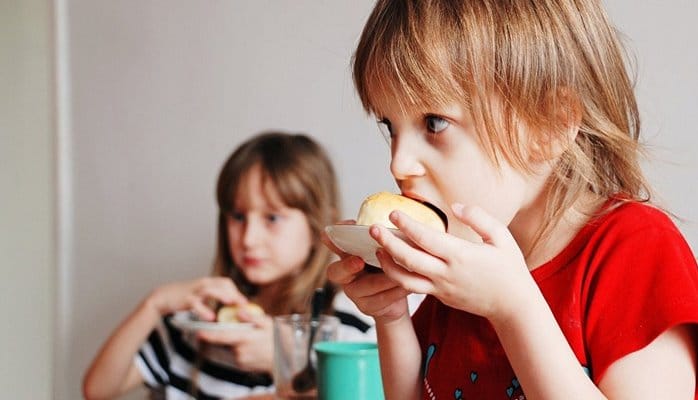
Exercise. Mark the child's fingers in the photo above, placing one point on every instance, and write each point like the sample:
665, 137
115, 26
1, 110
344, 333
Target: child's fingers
202, 311
229, 337
374, 292
345, 270
385, 301
488, 227
328, 242
419, 259
259, 320
222, 289
433, 242
411, 282
368, 284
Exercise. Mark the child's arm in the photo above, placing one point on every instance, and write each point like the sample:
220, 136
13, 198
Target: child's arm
400, 359
539, 353
665, 369
547, 368
378, 296
113, 371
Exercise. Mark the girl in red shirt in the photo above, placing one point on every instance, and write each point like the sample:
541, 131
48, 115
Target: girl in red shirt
556, 279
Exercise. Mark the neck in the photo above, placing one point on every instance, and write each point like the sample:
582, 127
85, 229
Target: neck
528, 222
267, 294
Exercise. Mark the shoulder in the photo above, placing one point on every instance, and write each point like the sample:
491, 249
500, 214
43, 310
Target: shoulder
630, 217
633, 225
631, 232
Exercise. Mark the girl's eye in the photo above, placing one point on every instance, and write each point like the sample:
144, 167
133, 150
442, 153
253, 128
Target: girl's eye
436, 124
273, 218
237, 216
386, 129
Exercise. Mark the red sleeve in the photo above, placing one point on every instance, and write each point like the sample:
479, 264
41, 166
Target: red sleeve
644, 281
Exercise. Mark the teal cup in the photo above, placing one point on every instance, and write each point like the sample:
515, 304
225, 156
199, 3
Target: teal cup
348, 371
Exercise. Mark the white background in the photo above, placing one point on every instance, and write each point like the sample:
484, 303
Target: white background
116, 115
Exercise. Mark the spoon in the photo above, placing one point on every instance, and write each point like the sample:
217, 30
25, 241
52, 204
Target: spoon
305, 379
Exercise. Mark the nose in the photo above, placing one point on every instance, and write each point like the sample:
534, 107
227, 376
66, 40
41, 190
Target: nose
251, 232
405, 162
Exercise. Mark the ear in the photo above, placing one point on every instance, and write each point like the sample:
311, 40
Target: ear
561, 128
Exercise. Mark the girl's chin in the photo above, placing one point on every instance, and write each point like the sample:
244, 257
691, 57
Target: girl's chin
255, 279
258, 279
265, 275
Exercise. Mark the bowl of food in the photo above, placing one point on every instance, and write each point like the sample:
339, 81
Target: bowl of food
226, 318
376, 209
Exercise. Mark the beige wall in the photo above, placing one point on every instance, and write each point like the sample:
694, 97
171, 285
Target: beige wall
661, 35
152, 95
161, 92
27, 289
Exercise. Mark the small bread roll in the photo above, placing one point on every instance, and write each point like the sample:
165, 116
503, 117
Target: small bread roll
230, 313
377, 207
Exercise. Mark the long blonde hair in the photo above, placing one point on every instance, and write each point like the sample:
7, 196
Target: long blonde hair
302, 173
515, 64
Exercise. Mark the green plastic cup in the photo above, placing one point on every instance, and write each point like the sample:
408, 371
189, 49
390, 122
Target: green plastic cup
348, 371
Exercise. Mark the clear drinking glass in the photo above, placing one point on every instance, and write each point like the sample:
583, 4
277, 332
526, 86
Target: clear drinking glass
291, 336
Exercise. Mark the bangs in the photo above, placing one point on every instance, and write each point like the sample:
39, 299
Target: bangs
229, 182
282, 173
402, 80
284, 188
404, 57
429, 53
280, 187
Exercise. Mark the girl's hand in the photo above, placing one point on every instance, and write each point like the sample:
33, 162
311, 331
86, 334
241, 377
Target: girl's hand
192, 295
373, 292
489, 279
251, 349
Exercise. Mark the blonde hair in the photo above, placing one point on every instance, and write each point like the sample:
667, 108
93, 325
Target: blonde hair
515, 65
303, 175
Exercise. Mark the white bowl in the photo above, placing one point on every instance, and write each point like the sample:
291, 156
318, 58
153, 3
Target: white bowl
355, 240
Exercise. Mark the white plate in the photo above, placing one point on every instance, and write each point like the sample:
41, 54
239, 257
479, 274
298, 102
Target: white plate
355, 240
186, 321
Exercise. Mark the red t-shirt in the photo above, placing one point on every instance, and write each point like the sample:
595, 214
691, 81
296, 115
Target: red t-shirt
625, 278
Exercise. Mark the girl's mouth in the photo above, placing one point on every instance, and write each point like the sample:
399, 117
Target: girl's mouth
442, 215
251, 262
438, 212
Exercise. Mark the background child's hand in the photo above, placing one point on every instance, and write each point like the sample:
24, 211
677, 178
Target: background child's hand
192, 295
489, 279
251, 349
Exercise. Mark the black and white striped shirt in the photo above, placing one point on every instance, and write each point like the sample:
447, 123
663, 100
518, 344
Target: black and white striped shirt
167, 360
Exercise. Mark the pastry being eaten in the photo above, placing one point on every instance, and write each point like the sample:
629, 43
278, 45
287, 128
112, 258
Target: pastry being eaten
229, 313
377, 207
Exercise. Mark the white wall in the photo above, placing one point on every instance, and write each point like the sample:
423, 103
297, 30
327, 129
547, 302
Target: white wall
662, 35
26, 201
162, 91
155, 95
